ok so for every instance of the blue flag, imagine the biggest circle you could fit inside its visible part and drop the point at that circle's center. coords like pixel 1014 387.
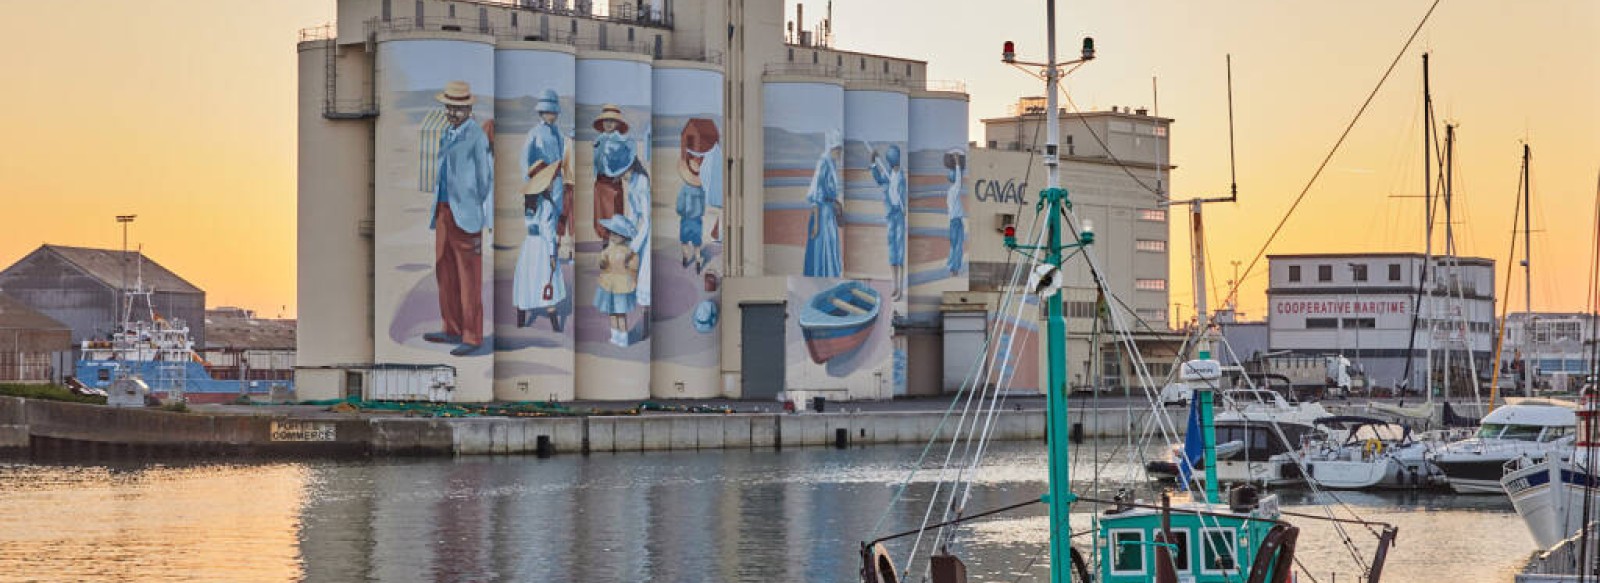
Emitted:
pixel 1194 445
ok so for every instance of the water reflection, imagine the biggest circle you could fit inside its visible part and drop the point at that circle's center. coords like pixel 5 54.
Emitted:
pixel 797 515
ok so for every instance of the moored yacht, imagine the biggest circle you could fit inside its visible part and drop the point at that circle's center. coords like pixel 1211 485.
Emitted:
pixel 1532 429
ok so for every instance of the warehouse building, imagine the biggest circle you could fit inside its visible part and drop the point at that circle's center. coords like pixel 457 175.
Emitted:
pixel 33 347
pixel 1365 306
pixel 82 288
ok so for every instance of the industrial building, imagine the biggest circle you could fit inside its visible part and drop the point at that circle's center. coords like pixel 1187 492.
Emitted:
pixel 1365 306
pixel 682 199
pixel 1554 346
pixel 243 346
pixel 82 288
pixel 33 347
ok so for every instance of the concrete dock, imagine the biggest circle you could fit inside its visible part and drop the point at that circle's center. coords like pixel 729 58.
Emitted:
pixel 34 428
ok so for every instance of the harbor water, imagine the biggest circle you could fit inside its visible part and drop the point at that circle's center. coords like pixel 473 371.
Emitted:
pixel 733 515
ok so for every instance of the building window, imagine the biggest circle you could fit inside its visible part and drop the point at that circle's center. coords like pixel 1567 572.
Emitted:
pixel 863 64
pixel 1127 552
pixel 1219 551
pixel 1154 215
pixel 1150 284
pixel 994 144
pixel 886 66
pixel 1321 323
pixel 791 55
pixel 1071 149
pixel 1358 271
pixel 452 8
pixel 1394 272
pixel 908 69
pixel 815 57
pixel 838 61
pixel 1324 273
pixel 1153 245
pixel 630 39
pixel 513 20
pixel 1294 273
pixel 574 26
pixel 1368 323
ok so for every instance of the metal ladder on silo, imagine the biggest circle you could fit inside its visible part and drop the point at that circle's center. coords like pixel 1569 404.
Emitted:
pixel 330 104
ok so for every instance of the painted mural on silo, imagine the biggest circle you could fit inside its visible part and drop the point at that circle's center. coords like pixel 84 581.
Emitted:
pixel 840 336
pixel 688 165
pixel 876 186
pixel 802 178
pixel 534 288
pixel 433 248
pixel 939 199
pixel 615 223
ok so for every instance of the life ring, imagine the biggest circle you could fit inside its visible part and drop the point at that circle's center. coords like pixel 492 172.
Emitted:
pixel 1372 447
pixel 883 568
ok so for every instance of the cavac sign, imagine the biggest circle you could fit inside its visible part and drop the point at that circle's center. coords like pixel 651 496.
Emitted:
pixel 1009 192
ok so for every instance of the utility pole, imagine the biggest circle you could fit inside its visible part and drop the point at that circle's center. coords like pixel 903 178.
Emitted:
pixel 122 292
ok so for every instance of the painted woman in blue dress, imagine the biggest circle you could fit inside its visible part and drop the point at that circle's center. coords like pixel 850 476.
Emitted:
pixel 889 174
pixel 955 162
pixel 537 285
pixel 824 254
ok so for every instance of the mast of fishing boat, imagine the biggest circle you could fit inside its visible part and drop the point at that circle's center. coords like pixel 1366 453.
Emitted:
pixel 1053 201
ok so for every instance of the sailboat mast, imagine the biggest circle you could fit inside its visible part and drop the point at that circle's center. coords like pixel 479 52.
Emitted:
pixel 1427 229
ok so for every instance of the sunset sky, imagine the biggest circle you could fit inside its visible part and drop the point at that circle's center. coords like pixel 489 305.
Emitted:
pixel 183 112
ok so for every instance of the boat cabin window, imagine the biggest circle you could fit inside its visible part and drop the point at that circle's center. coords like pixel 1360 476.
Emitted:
pixel 1127 551
pixel 104 374
pixel 1507 431
pixel 1220 551
pixel 1180 555
pixel 1554 433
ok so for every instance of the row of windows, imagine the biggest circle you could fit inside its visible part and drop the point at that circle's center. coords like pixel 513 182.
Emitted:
pixel 1150 284
pixel 1128 556
pixel 838 61
pixel 1346 323
pixel 1155 245
pixel 1358 272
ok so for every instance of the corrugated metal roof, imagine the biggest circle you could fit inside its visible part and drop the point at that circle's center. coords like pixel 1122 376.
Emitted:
pixel 107 266
pixel 14 315
pixel 249 333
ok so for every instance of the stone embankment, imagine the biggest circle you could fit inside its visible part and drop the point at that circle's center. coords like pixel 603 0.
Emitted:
pixel 44 429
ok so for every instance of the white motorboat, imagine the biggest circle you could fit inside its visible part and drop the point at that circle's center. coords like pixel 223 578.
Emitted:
pixel 1366 453
pixel 1531 429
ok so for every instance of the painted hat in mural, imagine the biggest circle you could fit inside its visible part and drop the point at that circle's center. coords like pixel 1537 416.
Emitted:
pixel 699 137
pixel 955 158
pixel 540 176
pixel 611 112
pixel 456 93
pixel 619 225
pixel 892 155
pixel 835 141
pixel 705 316
pixel 549 102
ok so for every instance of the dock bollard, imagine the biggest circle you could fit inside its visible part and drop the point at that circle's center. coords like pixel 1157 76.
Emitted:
pixel 841 438
pixel 542 446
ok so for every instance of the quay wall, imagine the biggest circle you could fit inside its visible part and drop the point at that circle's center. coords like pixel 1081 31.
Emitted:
pixel 45 428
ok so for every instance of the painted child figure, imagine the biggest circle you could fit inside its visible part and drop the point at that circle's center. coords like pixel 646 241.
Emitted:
pixel 619 277
pixel 537 286
pixel 699 139
pixel 888 173
pixel 955 163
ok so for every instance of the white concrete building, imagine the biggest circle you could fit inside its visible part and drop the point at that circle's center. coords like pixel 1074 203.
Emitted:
pixel 1553 344
pixel 1365 306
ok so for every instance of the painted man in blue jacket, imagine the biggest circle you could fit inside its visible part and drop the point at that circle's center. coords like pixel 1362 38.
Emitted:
pixel 462 215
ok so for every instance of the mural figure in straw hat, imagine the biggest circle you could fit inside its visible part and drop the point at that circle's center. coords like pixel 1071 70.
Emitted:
pixel 636 182
pixel 824 254
pixel 613 154
pixel 889 174
pixel 538 287
pixel 698 146
pixel 955 163
pixel 462 216
pixel 619 277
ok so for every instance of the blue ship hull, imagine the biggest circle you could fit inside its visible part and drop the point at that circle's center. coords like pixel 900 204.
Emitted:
pixel 158 375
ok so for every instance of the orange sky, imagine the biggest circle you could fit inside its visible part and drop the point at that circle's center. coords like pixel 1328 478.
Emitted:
pixel 183 112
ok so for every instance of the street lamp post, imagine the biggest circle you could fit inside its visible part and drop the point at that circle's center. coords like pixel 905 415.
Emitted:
pixel 122 292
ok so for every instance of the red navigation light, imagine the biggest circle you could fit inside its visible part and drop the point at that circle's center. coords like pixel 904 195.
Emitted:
pixel 1011 231
pixel 1009 52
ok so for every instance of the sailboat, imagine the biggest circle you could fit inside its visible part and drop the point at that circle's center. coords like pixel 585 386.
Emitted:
pixel 1190 536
